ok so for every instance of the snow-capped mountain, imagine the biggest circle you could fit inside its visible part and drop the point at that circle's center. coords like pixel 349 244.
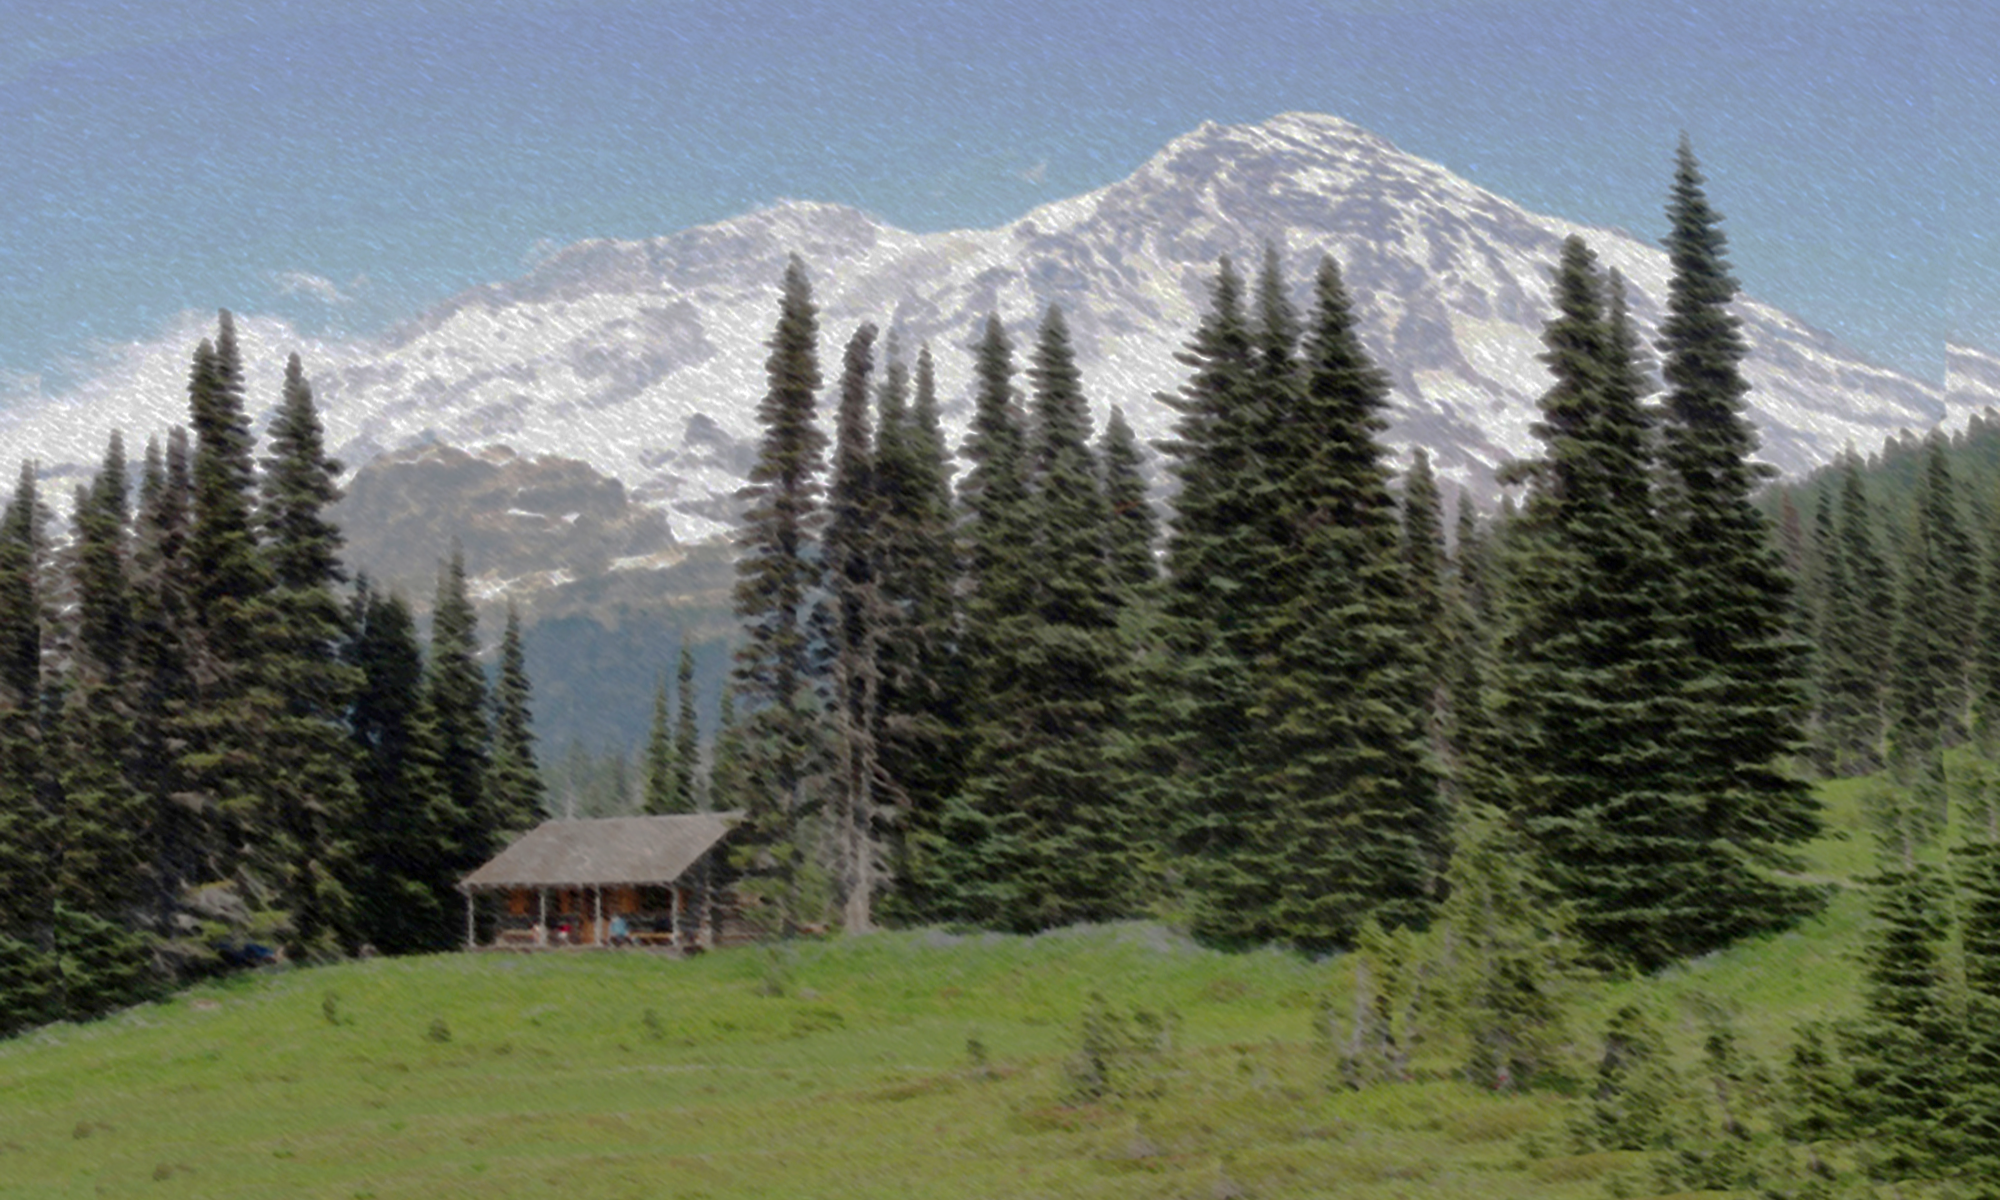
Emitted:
pixel 645 359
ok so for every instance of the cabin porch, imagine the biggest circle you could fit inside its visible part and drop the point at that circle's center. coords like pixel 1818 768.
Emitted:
pixel 539 918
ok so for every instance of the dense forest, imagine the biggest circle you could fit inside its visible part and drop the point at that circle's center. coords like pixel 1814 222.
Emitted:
pixel 218 749
pixel 991 688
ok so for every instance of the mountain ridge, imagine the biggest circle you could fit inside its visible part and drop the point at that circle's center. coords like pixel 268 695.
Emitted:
pixel 644 358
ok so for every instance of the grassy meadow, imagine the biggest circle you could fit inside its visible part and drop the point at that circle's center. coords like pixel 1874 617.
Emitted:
pixel 915 1063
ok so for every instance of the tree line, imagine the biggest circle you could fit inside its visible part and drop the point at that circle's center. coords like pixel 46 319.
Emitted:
pixel 213 744
pixel 1018 702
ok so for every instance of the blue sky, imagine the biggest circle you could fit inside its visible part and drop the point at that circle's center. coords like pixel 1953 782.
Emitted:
pixel 347 163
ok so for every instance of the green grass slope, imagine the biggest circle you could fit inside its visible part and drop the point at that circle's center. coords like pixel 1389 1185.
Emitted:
pixel 902 1064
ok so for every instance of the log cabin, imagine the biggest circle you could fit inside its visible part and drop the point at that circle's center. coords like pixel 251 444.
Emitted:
pixel 564 882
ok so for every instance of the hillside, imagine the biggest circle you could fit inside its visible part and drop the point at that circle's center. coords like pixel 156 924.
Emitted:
pixel 916 1063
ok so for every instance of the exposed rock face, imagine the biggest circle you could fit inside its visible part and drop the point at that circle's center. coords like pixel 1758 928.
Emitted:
pixel 526 524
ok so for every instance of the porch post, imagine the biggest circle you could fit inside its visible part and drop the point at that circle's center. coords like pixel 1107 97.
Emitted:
pixel 471 930
pixel 541 916
pixel 675 924
pixel 600 914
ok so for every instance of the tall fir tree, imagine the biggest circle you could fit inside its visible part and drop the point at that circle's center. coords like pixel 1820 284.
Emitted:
pixel 1746 686
pixel 663 764
pixel 1975 1119
pixel 1986 654
pixel 1905 1049
pixel 29 970
pixel 1826 589
pixel 862 624
pixel 103 570
pixel 1591 690
pixel 408 828
pixel 1424 567
pixel 1469 620
pixel 1935 636
pixel 776 572
pixel 103 829
pixel 687 735
pixel 221 726
pixel 1134 529
pixel 956 853
pixel 1192 762
pixel 921 685
pixel 1857 639
pixel 163 687
pixel 303 833
pixel 1348 826
pixel 728 786
pixel 455 692
pixel 514 783
pixel 1043 826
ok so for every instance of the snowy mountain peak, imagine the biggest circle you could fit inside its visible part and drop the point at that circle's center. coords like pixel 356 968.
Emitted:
pixel 644 359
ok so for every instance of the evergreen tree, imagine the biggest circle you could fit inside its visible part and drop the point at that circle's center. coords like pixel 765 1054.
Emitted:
pixel 455 692
pixel 1975 1119
pixel 1468 617
pixel 1049 838
pixel 227 574
pixel 1906 1050
pixel 222 726
pixel 407 830
pixel 1827 591
pixel 103 556
pixel 663 765
pixel 1134 530
pixel 1193 763
pixel 998 583
pixel 301 836
pixel 993 495
pixel 1424 568
pixel 687 743
pixel 163 687
pixel 29 979
pixel 1816 1094
pixel 776 572
pixel 102 823
pixel 1745 692
pixel 921 689
pixel 1857 635
pixel 728 773
pixel 1933 642
pixel 1508 957
pixel 1638 1101
pixel 1590 692
pixel 1986 654
pixel 515 784
pixel 862 624
pixel 1343 821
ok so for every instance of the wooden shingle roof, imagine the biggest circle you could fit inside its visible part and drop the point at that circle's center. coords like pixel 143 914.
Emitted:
pixel 604 851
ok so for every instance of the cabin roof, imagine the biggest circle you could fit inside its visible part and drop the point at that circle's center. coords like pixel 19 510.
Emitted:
pixel 604 851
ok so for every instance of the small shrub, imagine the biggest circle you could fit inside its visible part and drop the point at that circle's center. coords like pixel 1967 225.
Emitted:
pixel 329 1007
pixel 819 1018
pixel 654 1027
pixel 1119 1056
pixel 772 981
pixel 975 1052
pixel 439 1032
